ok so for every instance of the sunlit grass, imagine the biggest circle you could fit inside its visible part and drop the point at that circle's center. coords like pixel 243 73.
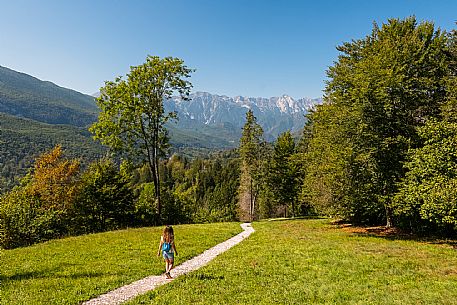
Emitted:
pixel 313 262
pixel 71 270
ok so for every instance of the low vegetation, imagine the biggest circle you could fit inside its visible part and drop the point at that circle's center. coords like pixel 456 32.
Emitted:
pixel 58 198
pixel 71 270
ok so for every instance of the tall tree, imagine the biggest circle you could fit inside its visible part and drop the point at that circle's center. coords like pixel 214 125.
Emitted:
pixel 388 83
pixel 132 115
pixel 251 144
pixel 54 180
pixel 427 198
pixel 283 175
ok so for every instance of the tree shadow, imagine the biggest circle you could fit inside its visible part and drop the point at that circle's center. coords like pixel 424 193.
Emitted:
pixel 203 277
pixel 396 234
pixel 47 273
pixel 294 218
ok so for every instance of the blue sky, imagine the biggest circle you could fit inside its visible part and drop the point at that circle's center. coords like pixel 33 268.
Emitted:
pixel 251 47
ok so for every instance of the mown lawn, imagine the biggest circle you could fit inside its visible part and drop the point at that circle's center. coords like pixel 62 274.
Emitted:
pixel 314 262
pixel 71 270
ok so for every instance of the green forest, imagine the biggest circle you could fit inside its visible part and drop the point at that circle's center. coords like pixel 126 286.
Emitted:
pixel 22 140
pixel 380 150
pixel 28 97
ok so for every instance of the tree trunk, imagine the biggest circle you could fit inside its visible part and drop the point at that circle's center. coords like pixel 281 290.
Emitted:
pixel 157 187
pixel 389 217
pixel 152 172
pixel 250 198
pixel 254 200
pixel 155 160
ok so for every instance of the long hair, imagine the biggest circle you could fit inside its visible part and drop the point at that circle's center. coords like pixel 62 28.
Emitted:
pixel 168 235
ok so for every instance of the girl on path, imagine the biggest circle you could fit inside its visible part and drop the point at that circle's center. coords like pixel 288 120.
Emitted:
pixel 168 249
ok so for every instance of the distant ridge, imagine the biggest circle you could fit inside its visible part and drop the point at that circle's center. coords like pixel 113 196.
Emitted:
pixel 206 120
pixel 274 114
pixel 35 115
pixel 26 96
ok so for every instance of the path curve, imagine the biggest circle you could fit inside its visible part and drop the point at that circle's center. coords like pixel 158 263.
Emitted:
pixel 125 293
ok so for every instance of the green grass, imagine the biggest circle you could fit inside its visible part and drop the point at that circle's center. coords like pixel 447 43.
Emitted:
pixel 71 270
pixel 314 262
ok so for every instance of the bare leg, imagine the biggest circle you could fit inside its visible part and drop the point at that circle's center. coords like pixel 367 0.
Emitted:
pixel 170 265
pixel 166 266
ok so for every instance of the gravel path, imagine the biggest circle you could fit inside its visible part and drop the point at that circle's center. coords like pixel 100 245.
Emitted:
pixel 134 289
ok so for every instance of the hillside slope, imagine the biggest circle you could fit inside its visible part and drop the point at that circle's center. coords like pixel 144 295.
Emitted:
pixel 22 140
pixel 26 96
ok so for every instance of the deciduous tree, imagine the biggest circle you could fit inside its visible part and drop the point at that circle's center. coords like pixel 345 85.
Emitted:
pixel 388 84
pixel 132 117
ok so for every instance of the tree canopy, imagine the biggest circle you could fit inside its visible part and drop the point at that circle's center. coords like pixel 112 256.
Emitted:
pixel 132 116
pixel 381 89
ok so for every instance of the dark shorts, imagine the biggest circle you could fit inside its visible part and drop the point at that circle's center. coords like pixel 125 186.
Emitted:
pixel 168 255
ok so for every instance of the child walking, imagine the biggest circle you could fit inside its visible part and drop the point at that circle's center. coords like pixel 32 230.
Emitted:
pixel 168 249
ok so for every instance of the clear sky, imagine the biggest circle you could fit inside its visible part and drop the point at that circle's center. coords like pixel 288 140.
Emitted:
pixel 238 47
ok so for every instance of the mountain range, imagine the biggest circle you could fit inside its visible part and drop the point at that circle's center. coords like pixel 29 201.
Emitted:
pixel 275 114
pixel 36 114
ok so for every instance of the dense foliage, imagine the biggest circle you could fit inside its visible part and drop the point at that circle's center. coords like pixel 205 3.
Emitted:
pixel 104 199
pixel 283 175
pixel 57 198
pixel 132 117
pixel 41 207
pixel 22 140
pixel 365 144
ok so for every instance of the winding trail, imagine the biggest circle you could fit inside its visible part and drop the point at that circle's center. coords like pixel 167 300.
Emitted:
pixel 125 293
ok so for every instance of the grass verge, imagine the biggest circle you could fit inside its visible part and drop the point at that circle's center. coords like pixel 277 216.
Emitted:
pixel 75 269
pixel 314 262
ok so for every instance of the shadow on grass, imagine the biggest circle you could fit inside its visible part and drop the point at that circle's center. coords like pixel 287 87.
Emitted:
pixel 395 234
pixel 203 277
pixel 293 218
pixel 49 273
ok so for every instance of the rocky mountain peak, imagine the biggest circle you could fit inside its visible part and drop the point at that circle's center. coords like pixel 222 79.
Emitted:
pixel 275 114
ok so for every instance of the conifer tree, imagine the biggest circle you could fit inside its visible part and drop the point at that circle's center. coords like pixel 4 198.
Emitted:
pixel 283 173
pixel 251 144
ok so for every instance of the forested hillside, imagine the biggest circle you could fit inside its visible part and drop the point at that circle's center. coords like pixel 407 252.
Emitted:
pixel 26 96
pixel 22 140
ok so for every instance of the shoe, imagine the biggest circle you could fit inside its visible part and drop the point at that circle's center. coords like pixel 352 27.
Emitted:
pixel 167 274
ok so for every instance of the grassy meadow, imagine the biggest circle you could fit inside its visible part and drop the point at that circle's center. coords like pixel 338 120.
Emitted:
pixel 283 262
pixel 70 270
pixel 314 262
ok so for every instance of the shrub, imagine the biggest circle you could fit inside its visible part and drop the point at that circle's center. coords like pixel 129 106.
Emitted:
pixel 105 200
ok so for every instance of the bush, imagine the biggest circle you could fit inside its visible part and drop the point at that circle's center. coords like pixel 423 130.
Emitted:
pixel 23 222
pixel 146 206
pixel 105 200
